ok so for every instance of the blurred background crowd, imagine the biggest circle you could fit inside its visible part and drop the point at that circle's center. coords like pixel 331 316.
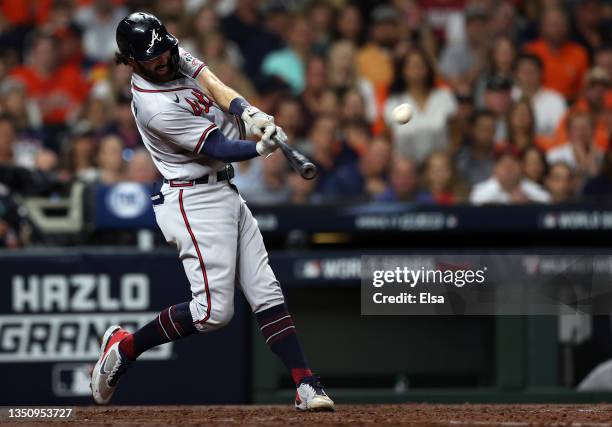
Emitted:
pixel 512 98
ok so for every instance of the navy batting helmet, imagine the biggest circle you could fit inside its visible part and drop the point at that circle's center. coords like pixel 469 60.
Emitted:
pixel 142 36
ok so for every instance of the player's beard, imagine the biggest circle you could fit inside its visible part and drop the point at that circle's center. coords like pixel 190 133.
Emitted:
pixel 161 73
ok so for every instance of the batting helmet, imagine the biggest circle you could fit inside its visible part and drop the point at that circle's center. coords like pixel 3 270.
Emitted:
pixel 142 36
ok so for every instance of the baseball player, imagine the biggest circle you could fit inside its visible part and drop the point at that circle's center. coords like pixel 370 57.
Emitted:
pixel 193 126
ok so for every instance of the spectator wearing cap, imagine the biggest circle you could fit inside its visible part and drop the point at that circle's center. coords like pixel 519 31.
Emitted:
pixel 375 60
pixel 565 62
pixel 290 63
pixel 580 151
pixel 433 108
pixel 404 183
pixel 497 99
pixel 561 183
pixel 548 105
pixel 507 184
pixel 474 160
pixel 462 62
pixel 596 103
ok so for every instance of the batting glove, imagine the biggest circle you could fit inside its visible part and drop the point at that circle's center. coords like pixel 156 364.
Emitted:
pixel 188 64
pixel 265 147
pixel 258 123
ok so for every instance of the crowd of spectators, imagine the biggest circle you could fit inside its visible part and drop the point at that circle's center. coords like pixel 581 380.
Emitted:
pixel 512 98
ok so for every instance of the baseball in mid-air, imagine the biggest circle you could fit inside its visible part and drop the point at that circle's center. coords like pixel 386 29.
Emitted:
pixel 402 113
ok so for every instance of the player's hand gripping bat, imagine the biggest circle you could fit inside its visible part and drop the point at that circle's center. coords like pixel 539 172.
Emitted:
pixel 297 160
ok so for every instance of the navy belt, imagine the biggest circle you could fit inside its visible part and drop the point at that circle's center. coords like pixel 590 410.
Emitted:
pixel 223 175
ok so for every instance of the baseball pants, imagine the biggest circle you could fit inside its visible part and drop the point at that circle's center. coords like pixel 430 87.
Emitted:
pixel 221 248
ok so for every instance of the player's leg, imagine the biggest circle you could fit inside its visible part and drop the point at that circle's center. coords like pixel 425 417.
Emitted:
pixel 263 292
pixel 201 223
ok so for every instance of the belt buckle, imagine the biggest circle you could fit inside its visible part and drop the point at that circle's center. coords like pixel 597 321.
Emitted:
pixel 181 183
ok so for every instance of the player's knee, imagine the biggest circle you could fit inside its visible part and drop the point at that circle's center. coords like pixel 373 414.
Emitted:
pixel 215 319
pixel 222 316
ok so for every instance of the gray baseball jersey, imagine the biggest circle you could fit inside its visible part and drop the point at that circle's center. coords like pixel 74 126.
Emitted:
pixel 211 226
pixel 174 120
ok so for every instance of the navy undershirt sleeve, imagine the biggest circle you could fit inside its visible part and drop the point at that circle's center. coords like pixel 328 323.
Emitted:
pixel 228 150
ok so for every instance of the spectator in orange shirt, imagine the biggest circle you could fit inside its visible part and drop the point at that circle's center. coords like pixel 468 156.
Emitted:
pixel 595 103
pixel 565 62
pixel 375 59
pixel 57 89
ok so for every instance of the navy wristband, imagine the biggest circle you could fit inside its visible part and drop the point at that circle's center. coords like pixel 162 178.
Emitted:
pixel 237 106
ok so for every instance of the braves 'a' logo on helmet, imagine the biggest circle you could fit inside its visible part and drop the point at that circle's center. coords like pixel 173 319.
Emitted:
pixel 154 38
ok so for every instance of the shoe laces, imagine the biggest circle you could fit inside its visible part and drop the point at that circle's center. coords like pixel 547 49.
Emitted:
pixel 315 383
pixel 118 370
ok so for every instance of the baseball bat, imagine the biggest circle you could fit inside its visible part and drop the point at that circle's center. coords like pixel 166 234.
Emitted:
pixel 297 160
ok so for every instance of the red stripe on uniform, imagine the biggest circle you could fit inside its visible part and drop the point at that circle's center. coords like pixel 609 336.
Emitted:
pixel 197 248
pixel 198 71
pixel 174 89
pixel 203 137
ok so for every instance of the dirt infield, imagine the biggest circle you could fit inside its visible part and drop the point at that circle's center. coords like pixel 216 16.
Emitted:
pixel 371 415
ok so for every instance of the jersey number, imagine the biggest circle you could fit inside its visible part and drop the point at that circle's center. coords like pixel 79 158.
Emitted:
pixel 201 104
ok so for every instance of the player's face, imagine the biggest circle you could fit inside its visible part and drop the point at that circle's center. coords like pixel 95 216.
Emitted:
pixel 160 69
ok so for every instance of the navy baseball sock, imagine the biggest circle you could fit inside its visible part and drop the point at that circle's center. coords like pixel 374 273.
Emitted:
pixel 277 327
pixel 171 324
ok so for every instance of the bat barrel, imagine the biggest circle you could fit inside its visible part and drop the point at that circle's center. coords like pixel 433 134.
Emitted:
pixel 297 160
pixel 308 170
